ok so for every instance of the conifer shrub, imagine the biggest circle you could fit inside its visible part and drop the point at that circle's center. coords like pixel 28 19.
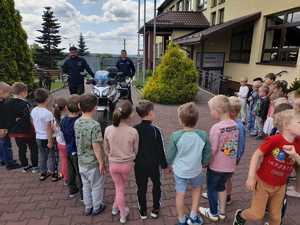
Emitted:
pixel 175 79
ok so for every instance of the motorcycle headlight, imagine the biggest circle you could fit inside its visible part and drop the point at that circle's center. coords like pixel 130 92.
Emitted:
pixel 105 92
pixel 96 92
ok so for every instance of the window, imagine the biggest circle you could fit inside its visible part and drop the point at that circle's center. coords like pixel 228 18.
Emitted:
pixel 241 41
pixel 282 38
pixel 172 8
pixel 213 18
pixel 202 4
pixel 221 1
pixel 188 5
pixel 221 15
pixel 180 6
pixel 213 3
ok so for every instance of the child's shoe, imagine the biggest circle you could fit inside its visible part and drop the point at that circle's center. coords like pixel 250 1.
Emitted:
pixel 114 211
pixel 26 168
pixel 44 176
pixel 238 220
pixel 204 195
pixel 34 170
pixel 54 177
pixel 197 220
pixel 222 217
pixel 154 214
pixel 143 214
pixel 99 210
pixel 259 137
pixel 206 213
pixel 88 211
pixel 185 222
pixel 123 219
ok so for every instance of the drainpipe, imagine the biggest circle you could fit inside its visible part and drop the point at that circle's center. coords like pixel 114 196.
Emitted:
pixel 154 38
pixel 144 66
pixel 139 37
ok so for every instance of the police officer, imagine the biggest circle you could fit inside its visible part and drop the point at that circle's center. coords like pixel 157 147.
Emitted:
pixel 126 66
pixel 75 66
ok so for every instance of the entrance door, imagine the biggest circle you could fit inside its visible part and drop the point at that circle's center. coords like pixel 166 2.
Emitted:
pixel 211 80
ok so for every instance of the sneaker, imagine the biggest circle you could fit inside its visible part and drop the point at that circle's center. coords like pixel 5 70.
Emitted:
pixel 222 217
pixel 99 210
pixel 259 137
pixel 195 221
pixel 228 202
pixel 73 194
pixel 88 211
pixel 253 134
pixel 114 211
pixel 26 168
pixel 54 177
pixel 154 214
pixel 34 170
pixel 123 219
pixel 206 213
pixel 204 195
pixel 143 214
pixel 44 176
pixel 293 193
pixel 13 166
pixel 238 220
pixel 184 223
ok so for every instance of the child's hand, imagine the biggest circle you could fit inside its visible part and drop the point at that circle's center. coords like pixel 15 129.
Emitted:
pixel 251 183
pixel 167 171
pixel 50 145
pixel 3 133
pixel 290 150
pixel 102 168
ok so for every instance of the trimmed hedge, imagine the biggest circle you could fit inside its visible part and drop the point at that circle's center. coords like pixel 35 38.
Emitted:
pixel 175 79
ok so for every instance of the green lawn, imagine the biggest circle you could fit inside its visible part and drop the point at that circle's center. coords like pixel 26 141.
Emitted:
pixel 56 85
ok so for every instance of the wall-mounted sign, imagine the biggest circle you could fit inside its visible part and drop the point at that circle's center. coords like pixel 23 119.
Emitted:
pixel 210 60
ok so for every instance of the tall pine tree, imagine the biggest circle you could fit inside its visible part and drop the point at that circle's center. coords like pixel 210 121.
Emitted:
pixel 82 48
pixel 50 40
pixel 15 57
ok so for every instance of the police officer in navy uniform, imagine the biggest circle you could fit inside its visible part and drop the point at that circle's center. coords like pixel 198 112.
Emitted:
pixel 126 66
pixel 75 66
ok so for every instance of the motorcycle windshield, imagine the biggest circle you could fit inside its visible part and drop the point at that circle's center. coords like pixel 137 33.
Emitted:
pixel 102 83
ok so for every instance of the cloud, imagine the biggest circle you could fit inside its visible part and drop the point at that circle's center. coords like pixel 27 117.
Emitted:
pixel 88 1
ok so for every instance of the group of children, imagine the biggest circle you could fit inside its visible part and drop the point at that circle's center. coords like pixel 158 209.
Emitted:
pixel 194 156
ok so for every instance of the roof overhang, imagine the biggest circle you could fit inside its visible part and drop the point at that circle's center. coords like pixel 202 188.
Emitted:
pixel 184 20
pixel 213 30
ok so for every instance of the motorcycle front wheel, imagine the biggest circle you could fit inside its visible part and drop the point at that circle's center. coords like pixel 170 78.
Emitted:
pixel 104 118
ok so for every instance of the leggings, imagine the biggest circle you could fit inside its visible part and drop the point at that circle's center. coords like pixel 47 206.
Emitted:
pixel 63 156
pixel 120 173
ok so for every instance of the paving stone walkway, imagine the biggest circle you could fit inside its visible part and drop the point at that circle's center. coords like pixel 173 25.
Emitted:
pixel 24 200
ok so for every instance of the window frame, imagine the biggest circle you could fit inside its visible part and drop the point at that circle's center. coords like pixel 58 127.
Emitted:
pixel 221 2
pixel 214 3
pixel 281 51
pixel 213 18
pixel 202 4
pixel 221 14
pixel 241 50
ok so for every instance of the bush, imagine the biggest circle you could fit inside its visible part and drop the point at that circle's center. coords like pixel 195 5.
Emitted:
pixel 175 79
pixel 295 85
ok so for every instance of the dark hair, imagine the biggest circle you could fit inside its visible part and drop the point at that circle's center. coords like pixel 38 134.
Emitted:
pixel 282 107
pixel 73 48
pixel 73 104
pixel 188 114
pixel 122 112
pixel 19 87
pixel 124 51
pixel 87 102
pixel 271 76
pixel 59 106
pixel 258 79
pixel 41 95
pixel 144 107
pixel 266 89
pixel 282 84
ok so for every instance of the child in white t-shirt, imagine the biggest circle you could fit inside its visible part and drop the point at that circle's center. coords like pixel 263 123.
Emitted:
pixel 42 119
pixel 243 95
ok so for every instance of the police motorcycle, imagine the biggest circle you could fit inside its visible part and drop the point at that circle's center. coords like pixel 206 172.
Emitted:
pixel 104 87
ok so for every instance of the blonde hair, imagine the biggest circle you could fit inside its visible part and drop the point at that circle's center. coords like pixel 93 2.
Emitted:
pixel 282 119
pixel 244 79
pixel 235 105
pixel 220 103
pixel 4 87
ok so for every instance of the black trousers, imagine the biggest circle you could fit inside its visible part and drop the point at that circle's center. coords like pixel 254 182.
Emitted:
pixel 76 89
pixel 23 144
pixel 142 175
pixel 74 183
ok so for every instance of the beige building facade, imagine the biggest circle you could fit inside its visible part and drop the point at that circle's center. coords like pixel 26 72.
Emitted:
pixel 250 37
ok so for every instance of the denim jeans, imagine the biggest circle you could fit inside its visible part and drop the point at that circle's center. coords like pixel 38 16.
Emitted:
pixel 48 158
pixel 251 121
pixel 216 182
pixel 5 150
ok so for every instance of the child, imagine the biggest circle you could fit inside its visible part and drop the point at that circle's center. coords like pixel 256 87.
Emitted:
pixel 6 155
pixel 270 168
pixel 224 139
pixel 189 151
pixel 67 128
pixel 242 94
pixel 235 108
pixel 252 103
pixel 261 111
pixel 270 79
pixel 149 159
pixel 42 119
pixel 59 111
pixel 90 156
pixel 121 145
pixel 23 130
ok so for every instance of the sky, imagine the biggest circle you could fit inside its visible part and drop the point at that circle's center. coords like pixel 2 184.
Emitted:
pixel 103 23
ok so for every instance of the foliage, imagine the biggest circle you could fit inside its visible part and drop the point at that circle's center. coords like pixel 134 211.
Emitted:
pixel 175 79
pixel 35 48
pixel 15 56
pixel 82 48
pixel 295 85
pixel 50 40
